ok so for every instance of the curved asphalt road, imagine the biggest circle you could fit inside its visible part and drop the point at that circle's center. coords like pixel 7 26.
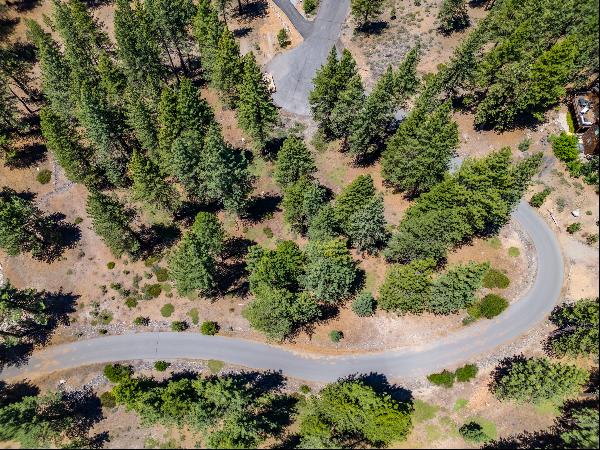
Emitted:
pixel 294 70
pixel 467 344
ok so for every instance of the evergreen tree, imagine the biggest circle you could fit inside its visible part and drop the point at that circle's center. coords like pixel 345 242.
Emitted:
pixel 112 222
pixel 324 225
pixel 583 429
pixel 193 112
pixel 577 332
pixel 227 68
pixel 405 77
pixel 255 110
pixel 352 198
pixel 323 97
pixel 55 71
pixel 347 108
pixel 294 161
pixel 372 124
pixel 21 313
pixel 185 164
pixel 406 287
pixel 301 202
pixel 278 313
pixel 282 268
pixel 455 290
pixel 112 80
pixel 23 227
pixel 366 226
pixel 453 16
pixel 143 123
pixel 62 140
pixel 169 125
pixel 225 173
pixel 193 264
pixel 207 30
pixel 538 380
pixel 419 154
pixel 330 270
pixel 138 48
pixel 364 11
pixel 149 185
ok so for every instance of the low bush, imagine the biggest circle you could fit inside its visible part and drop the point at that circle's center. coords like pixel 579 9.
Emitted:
pixel 466 373
pixel 283 38
pixel 141 321
pixel 161 366
pixel 110 265
pixel 131 302
pixel 444 378
pixel 513 252
pixel 194 315
pixel 492 305
pixel 336 335
pixel 310 6
pixel 524 145
pixel 268 232
pixel 107 400
pixel 565 147
pixel 473 432
pixel 179 326
pixel 574 228
pixel 115 373
pixel 167 310
pixel 537 200
pixel 305 389
pixel 152 290
pixel 495 279
pixel 209 328
pixel 44 176
pixel 162 274
pixel 364 304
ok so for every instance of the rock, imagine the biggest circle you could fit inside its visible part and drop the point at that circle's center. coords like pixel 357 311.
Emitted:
pixel 576 213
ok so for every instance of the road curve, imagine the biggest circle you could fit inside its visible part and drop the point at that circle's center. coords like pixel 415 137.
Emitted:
pixel 466 344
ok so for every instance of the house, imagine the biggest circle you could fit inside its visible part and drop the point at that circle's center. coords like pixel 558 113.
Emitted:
pixel 585 108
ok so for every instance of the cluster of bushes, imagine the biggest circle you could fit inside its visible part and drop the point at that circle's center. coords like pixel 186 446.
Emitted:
pixel 446 378
pixel 489 307
pixel 538 199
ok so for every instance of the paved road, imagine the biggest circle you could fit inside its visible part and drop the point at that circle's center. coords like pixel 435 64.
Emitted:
pixel 294 70
pixel 481 337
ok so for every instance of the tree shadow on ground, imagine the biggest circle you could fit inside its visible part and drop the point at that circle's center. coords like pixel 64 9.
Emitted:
pixel 261 206
pixel 61 235
pixel 381 385
pixel 232 277
pixel 28 155
pixel 157 238
pixel 242 32
pixel 272 147
pixel 84 407
pixel 376 27
pixel 251 10
pixel 58 307
pixel 15 392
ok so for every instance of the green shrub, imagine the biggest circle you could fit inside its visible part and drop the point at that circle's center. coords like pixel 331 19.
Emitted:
pixel 162 274
pixel 591 239
pixel 444 378
pixel 209 328
pixel 215 366
pixel 283 38
pixel 310 6
pixel 77 220
pixel 110 265
pixel 179 326
pixel 44 176
pixel 268 232
pixel 570 123
pixel 474 310
pixel 193 314
pixel 495 243
pixel 466 373
pixel 141 321
pixel 492 305
pixel 524 145
pixel 336 335
pixel 565 147
pixel 514 252
pixel 364 304
pixel 115 373
pixel 473 432
pixel 105 317
pixel 161 366
pixel 167 310
pixel 107 400
pixel 131 302
pixel 574 228
pixel 152 290
pixel 538 199
pixel 495 279
pixel 305 389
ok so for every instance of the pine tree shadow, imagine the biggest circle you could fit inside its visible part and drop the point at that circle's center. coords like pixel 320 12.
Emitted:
pixel 262 206
pixel 15 392
pixel 376 27
pixel 157 238
pixel 61 235
pixel 232 277
pixel 28 155
pixel 251 10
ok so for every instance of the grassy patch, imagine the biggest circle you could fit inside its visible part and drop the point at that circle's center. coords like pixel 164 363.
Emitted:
pixel 215 366
pixel 44 176
pixel 495 279
pixel 167 310
pixel 489 427
pixel 495 243
pixel 194 315
pixel 514 252
pixel 162 274
pixel 423 411
pixel 433 432
pixel 547 409
pixel 460 404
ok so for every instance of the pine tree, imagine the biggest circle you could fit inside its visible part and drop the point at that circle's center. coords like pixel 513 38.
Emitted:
pixel 169 126
pixel 207 30
pixel 193 265
pixel 352 198
pixel 419 154
pixel 137 48
pixel 294 161
pixel 23 227
pixel 112 80
pixel 406 287
pixel 324 96
pixel 405 77
pixel 364 11
pixel 56 74
pixel 372 124
pixel 112 222
pixel 255 110
pixel 62 140
pixel 301 202
pixel 366 227
pixel 227 68
pixel 143 123
pixel 453 16
pixel 185 164
pixel 193 112
pixel 330 270
pixel 324 225
pixel 21 313
pixel 347 108
pixel 149 185
pixel 225 172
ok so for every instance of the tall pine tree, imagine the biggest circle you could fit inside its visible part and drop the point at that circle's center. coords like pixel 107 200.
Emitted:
pixel 227 68
pixel 149 185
